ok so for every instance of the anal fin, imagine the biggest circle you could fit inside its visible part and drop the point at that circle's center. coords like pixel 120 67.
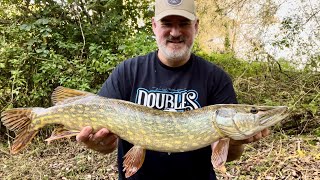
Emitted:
pixel 133 160
pixel 219 155
pixel 60 133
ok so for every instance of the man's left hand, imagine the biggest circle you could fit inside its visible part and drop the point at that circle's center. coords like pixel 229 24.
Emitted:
pixel 254 138
pixel 236 147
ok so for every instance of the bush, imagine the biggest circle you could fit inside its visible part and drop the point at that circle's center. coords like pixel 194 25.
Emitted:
pixel 44 45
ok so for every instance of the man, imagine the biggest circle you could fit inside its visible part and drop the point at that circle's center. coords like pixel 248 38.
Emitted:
pixel 171 78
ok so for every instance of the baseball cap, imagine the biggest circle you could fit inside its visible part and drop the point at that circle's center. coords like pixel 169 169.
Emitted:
pixel 185 8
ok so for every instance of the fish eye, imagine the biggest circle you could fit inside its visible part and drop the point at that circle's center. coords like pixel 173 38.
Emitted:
pixel 254 110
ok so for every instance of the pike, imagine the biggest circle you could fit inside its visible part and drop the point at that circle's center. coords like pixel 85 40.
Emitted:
pixel 146 128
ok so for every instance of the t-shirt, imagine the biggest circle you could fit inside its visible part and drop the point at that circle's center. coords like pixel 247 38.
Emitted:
pixel 147 81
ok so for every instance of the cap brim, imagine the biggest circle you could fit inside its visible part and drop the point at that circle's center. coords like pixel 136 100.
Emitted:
pixel 176 12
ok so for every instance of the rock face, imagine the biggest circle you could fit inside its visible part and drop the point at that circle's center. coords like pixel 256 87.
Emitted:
pixel 259 27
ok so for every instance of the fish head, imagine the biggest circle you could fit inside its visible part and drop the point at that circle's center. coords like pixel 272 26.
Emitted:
pixel 239 121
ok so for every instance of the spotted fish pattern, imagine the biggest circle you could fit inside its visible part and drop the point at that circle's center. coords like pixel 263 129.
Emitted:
pixel 142 126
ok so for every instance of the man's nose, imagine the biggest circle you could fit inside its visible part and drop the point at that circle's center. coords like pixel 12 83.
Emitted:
pixel 175 31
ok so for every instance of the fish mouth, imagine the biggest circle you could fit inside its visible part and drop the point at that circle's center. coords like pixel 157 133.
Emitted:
pixel 271 117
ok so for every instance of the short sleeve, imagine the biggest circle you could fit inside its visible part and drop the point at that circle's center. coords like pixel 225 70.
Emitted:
pixel 222 91
pixel 115 85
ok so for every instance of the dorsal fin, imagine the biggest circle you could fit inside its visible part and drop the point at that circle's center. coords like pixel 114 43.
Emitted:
pixel 63 95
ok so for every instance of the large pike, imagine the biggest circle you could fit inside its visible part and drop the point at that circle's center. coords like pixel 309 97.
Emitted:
pixel 144 127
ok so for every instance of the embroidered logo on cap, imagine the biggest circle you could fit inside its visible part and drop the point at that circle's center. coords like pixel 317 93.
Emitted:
pixel 174 2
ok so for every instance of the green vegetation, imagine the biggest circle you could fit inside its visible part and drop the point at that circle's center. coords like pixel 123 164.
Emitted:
pixel 76 44
pixel 276 83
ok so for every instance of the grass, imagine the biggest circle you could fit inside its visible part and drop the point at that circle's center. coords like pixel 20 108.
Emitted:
pixel 275 157
pixel 278 157
pixel 59 160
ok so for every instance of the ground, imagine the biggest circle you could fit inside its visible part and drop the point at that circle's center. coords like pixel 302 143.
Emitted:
pixel 276 157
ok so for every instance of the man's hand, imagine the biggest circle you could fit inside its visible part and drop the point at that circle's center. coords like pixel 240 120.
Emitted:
pixel 236 147
pixel 102 141
pixel 254 138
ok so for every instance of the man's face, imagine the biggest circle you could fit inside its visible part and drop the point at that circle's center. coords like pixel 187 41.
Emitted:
pixel 175 36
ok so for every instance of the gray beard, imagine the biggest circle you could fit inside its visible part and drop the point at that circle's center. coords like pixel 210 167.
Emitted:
pixel 174 55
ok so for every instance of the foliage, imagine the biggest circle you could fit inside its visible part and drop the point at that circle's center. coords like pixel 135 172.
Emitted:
pixel 74 44
pixel 78 43
pixel 276 83
pixel 44 44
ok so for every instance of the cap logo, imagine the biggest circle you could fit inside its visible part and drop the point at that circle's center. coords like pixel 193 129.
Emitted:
pixel 174 2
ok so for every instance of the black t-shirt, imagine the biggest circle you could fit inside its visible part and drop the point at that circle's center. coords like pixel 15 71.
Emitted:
pixel 147 81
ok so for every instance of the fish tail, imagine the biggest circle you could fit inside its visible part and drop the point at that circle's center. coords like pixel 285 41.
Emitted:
pixel 19 121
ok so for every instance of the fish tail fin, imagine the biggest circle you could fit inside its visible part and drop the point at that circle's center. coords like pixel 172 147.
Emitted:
pixel 19 120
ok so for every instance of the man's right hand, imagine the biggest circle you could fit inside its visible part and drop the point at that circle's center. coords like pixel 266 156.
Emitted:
pixel 102 141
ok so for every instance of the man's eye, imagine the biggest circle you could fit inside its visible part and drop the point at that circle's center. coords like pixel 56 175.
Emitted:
pixel 184 24
pixel 166 24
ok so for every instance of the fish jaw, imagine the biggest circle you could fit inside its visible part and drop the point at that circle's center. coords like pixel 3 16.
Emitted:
pixel 243 121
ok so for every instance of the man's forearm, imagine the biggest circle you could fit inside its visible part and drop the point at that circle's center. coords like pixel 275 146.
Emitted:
pixel 235 151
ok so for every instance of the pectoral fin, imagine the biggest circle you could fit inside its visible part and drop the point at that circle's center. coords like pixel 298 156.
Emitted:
pixel 133 160
pixel 219 154
pixel 60 133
